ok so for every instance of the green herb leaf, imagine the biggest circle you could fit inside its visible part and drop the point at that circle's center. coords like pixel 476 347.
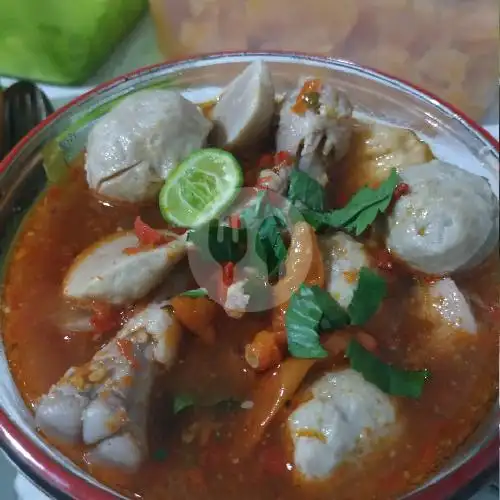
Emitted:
pixel 387 378
pixel 182 401
pixel 270 246
pixel 306 190
pixel 160 455
pixel 199 292
pixel 368 296
pixel 302 320
pixel 224 243
pixel 334 316
pixel 361 211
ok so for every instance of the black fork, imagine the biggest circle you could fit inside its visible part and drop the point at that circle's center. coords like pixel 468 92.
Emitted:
pixel 24 106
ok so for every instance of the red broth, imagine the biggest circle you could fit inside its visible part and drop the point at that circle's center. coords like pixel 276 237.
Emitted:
pixel 196 454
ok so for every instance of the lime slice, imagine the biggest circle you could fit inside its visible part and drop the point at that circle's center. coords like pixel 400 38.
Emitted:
pixel 200 188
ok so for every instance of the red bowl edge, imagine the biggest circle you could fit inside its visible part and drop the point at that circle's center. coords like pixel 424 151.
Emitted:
pixel 77 487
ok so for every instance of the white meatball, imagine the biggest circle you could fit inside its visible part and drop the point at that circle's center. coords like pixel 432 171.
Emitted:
pixel 347 414
pixel 448 221
pixel 245 110
pixel 343 257
pixel 132 149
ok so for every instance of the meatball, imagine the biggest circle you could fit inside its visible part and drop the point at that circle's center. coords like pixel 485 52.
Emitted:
pixel 132 149
pixel 448 221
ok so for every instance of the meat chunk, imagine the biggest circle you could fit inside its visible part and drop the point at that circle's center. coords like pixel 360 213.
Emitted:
pixel 107 272
pixel 104 403
pixel 445 307
pixel 132 149
pixel 346 415
pixel 343 257
pixel 375 149
pixel 448 221
pixel 245 110
pixel 316 133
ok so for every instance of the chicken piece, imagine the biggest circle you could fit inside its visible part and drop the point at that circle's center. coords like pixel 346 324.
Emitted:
pixel 237 299
pixel 105 402
pixel 343 257
pixel 447 222
pixel 245 110
pixel 443 305
pixel 347 416
pixel 375 150
pixel 107 272
pixel 275 180
pixel 322 131
pixel 132 149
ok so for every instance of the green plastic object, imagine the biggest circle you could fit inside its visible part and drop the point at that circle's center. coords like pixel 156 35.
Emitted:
pixel 62 41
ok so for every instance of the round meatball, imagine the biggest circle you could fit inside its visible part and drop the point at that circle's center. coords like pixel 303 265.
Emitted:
pixel 448 221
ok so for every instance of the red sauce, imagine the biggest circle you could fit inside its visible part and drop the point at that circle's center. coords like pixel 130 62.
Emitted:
pixel 194 454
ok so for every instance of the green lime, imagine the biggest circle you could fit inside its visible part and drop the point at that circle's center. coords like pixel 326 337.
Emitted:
pixel 200 187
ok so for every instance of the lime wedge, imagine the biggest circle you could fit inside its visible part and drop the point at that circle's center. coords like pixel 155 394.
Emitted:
pixel 200 188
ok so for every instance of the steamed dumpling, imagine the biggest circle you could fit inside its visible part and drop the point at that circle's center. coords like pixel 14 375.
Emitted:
pixel 245 110
pixel 448 221
pixel 346 415
pixel 132 149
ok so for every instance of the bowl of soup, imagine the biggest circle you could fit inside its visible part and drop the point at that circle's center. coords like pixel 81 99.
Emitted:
pixel 252 276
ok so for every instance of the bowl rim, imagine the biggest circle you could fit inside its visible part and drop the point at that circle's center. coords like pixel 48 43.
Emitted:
pixel 50 475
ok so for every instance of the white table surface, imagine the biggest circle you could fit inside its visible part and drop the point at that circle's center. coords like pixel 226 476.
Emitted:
pixel 138 50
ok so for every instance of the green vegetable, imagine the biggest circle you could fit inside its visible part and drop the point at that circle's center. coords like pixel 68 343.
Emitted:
pixel 302 321
pixel 182 401
pixel 266 222
pixel 223 243
pixel 160 455
pixel 306 190
pixel 369 294
pixel 199 292
pixel 387 378
pixel 312 100
pixel 361 211
pixel 312 310
pixel 270 246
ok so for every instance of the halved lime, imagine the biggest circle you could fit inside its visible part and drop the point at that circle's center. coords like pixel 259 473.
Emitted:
pixel 200 188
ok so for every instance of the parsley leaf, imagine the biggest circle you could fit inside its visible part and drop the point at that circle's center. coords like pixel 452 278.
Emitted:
pixel 361 211
pixel 182 401
pixel 306 190
pixel 370 292
pixel 387 378
pixel 199 292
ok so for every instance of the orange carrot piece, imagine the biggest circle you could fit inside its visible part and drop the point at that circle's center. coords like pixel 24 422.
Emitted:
pixel 272 392
pixel 263 352
pixel 197 314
